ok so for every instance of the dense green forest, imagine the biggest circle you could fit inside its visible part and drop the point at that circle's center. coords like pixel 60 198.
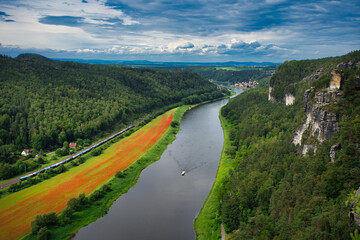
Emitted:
pixel 273 190
pixel 234 74
pixel 290 73
pixel 45 103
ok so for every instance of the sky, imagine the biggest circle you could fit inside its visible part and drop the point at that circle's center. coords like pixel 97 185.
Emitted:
pixel 180 31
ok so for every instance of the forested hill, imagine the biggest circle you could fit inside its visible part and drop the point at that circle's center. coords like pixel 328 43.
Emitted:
pixel 46 102
pixel 295 166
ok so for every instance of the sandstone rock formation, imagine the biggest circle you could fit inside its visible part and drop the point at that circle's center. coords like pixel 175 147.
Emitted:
pixel 314 76
pixel 289 99
pixel 336 80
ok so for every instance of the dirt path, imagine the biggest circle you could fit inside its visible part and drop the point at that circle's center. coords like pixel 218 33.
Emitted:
pixel 223 234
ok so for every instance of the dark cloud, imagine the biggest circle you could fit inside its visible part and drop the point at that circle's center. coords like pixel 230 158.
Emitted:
pixel 4 17
pixel 4 14
pixel 186 46
pixel 244 45
pixel 62 20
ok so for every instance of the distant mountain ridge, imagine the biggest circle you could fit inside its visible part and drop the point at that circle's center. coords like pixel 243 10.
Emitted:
pixel 169 64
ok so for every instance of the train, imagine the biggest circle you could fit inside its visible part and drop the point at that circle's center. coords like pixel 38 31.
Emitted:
pixel 76 155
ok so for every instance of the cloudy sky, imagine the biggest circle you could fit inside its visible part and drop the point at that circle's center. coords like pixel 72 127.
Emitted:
pixel 181 30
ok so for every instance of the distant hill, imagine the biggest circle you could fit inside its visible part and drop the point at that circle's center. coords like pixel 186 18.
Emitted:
pixel 45 102
pixel 34 57
pixel 159 64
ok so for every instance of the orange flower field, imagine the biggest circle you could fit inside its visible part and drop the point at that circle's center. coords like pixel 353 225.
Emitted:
pixel 19 209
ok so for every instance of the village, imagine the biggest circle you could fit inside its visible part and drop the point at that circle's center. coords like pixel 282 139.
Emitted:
pixel 250 84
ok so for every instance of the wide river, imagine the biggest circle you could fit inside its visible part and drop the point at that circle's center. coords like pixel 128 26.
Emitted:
pixel 163 204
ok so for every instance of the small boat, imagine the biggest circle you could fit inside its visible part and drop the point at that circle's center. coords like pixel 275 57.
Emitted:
pixel 183 173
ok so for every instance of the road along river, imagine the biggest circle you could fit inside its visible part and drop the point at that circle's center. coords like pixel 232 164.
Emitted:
pixel 163 204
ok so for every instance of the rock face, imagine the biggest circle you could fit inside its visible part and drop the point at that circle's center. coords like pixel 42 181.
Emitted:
pixel 289 99
pixel 333 152
pixel 271 98
pixel 321 123
pixel 314 76
pixel 336 80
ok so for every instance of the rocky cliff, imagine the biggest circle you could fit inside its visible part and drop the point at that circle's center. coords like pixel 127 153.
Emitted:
pixel 321 122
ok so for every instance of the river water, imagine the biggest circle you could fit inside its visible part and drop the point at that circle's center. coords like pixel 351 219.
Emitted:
pixel 163 204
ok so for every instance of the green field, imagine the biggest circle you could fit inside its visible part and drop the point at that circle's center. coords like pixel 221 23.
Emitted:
pixel 240 68
pixel 207 224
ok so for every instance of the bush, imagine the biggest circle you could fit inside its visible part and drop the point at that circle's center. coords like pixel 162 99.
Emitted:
pixel 40 160
pixel 74 204
pixel 82 199
pixel 96 195
pixel 120 174
pixel 96 152
pixel 50 219
pixel 66 215
pixel 175 124
pixel 42 221
pixel 61 169
pixel 105 188
pixel 43 234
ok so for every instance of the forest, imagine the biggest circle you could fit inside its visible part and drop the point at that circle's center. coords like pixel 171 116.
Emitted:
pixel 274 191
pixel 234 74
pixel 45 103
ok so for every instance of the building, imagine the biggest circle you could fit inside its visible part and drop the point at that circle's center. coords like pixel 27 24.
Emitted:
pixel 26 152
pixel 73 145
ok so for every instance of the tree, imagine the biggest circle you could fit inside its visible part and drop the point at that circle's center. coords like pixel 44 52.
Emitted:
pixel 43 234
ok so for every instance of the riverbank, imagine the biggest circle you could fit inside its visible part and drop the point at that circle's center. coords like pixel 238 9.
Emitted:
pixel 96 209
pixel 207 223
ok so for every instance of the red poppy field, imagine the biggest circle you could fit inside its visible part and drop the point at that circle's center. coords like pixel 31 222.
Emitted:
pixel 19 209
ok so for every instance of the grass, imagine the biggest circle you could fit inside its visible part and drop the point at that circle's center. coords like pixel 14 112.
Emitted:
pixel 19 209
pixel 207 224
pixel 119 186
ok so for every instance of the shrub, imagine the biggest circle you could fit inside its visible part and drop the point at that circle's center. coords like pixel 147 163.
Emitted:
pixel 40 160
pixel 175 124
pixel 66 215
pixel 120 174
pixel 105 188
pixel 74 204
pixel 43 234
pixel 96 195
pixel 96 152
pixel 42 221
pixel 82 199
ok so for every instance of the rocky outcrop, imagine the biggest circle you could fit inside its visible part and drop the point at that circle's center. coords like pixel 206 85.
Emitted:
pixel 307 147
pixel 314 76
pixel 289 99
pixel 348 64
pixel 336 80
pixel 321 123
pixel 333 152
pixel 271 98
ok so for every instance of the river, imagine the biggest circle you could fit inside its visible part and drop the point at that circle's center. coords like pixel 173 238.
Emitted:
pixel 163 204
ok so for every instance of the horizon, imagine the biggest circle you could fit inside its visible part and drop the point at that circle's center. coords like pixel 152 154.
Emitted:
pixel 186 31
